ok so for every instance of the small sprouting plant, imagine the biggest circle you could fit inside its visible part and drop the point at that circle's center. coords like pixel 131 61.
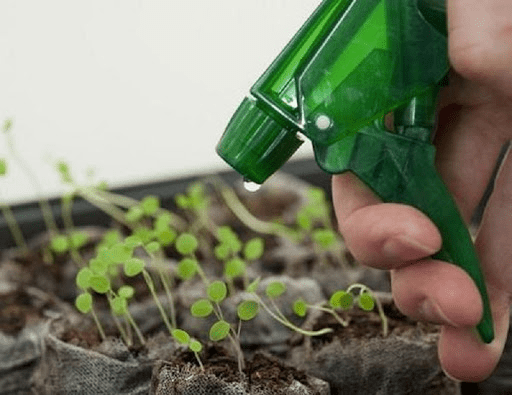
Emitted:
pixel 345 300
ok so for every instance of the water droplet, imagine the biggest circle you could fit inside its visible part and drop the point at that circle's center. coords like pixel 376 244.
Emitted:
pixel 251 186
pixel 323 122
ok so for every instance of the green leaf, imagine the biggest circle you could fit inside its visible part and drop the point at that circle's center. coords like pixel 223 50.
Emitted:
pixel 133 241
pixel 195 346
pixel 120 253
pixel 187 268
pixel 217 291
pixel 341 299
pixel 78 239
pixel 83 302
pixel 83 278
pixel 325 238
pixel 219 331
pixel 275 289
pixel 300 307
pixel 105 254
pixel 150 205
pixel 186 244
pixel 182 201
pixel 221 252
pixel 366 302
pixel 253 287
pixel 99 284
pixel 119 305
pixel 133 267
pixel 201 308
pixel 134 214
pixel 247 310
pixel 144 234
pixel 153 247
pixel 65 174
pixel 126 291
pixel 234 268
pixel 165 236
pixel 227 236
pixel 7 125
pixel 111 237
pixel 163 221
pixel 59 244
pixel 3 167
pixel 98 266
pixel 304 220
pixel 254 249
pixel 181 336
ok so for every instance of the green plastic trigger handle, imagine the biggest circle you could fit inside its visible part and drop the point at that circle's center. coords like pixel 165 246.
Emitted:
pixel 352 62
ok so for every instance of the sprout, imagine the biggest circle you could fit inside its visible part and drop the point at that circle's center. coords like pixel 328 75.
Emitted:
pixel 254 249
pixel 133 241
pixel 126 291
pixel 186 243
pixel 59 244
pixel 222 252
pixel 99 284
pixel 153 247
pixel 98 266
pixel 217 291
pixel 120 253
pixel 187 268
pixel 253 287
pixel 300 307
pixel 83 278
pixel 111 237
pixel 134 214
pixel 165 236
pixel 78 239
pixel 133 267
pixel 325 238
pixel 219 331
pixel 162 221
pixel 234 268
pixel 83 302
pixel 201 308
pixel 150 205
pixel 275 289
pixel 247 310
pixel 366 302
pixel 341 299
pixel 119 305
pixel 195 346
pixel 181 336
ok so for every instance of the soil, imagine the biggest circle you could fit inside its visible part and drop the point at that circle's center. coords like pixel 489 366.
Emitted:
pixel 18 309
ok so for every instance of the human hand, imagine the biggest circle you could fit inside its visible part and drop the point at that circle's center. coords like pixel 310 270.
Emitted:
pixel 475 120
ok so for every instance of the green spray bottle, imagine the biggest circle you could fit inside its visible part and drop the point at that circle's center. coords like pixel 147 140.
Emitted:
pixel 350 64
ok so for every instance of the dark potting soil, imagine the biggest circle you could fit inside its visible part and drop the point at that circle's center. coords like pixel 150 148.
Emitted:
pixel 18 309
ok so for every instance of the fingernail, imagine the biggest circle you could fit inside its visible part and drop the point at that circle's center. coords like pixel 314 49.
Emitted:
pixel 401 246
pixel 430 311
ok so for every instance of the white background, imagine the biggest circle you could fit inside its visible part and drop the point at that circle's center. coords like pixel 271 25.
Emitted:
pixel 139 91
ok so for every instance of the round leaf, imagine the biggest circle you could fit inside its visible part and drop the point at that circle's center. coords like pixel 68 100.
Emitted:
pixel 253 287
pixel 133 267
pixel 325 238
pixel 247 310
pixel 217 291
pixel 98 266
pixel 234 268
pixel 341 299
pixel 79 239
pixel 120 253
pixel 162 221
pixel 254 249
pixel 195 346
pixel 59 244
pixel 219 331
pixel 366 302
pixel 134 214
pixel 119 305
pixel 132 242
pixel 165 236
pixel 83 303
pixel 126 291
pixel 187 268
pixel 201 308
pixel 83 278
pixel 153 247
pixel 186 244
pixel 99 284
pixel 300 307
pixel 150 205
pixel 221 252
pixel 111 237
pixel 181 336
pixel 275 289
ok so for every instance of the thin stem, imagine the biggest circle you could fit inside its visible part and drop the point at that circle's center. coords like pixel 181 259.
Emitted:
pixel 67 219
pixel 380 309
pixel 121 330
pixel 151 287
pixel 239 353
pixel 105 206
pixel 332 312
pixel 98 324
pixel 10 219
pixel 288 324
pixel 199 361
pixel 138 332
